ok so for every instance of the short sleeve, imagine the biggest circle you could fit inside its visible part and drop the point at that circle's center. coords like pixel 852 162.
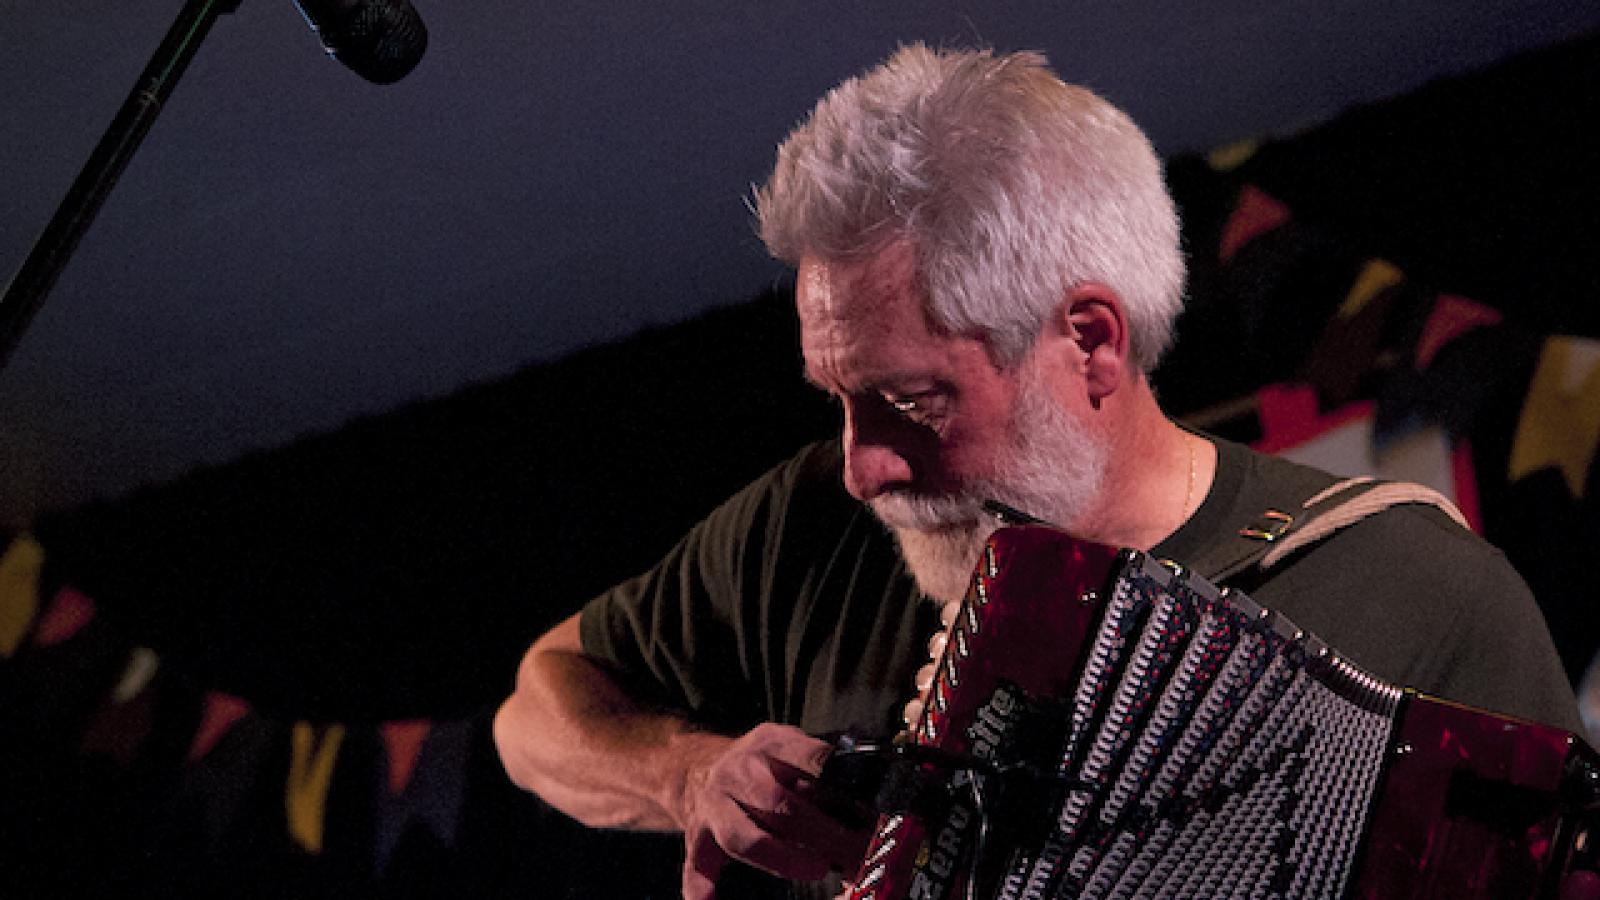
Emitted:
pixel 687 634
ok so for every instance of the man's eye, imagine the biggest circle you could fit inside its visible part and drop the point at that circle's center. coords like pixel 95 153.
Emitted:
pixel 919 408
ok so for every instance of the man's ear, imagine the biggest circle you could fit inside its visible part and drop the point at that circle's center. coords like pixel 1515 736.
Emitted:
pixel 1094 321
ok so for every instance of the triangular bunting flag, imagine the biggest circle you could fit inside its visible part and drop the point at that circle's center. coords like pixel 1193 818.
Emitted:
pixel 1464 475
pixel 1255 213
pixel 402 741
pixel 1560 421
pixel 1289 416
pixel 66 615
pixel 1342 442
pixel 20 565
pixel 313 752
pixel 1352 344
pixel 142 665
pixel 222 782
pixel 1450 318
pixel 1376 276
pixel 433 797
pixel 218 714
pixel 120 727
pixel 1231 156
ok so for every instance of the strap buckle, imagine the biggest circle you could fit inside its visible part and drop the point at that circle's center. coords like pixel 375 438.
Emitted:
pixel 1268 527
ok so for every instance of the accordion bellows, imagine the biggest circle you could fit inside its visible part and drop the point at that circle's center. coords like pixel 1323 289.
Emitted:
pixel 1130 731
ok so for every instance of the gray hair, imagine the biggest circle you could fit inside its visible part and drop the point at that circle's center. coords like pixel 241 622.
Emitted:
pixel 1010 185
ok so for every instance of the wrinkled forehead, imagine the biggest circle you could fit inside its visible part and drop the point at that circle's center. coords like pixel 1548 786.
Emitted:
pixel 878 289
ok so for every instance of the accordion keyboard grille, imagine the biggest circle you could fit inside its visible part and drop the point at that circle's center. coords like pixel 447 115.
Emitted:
pixel 1213 751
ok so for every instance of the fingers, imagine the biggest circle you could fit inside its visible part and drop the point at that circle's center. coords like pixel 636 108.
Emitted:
pixel 703 862
pixel 770 840
pixel 758 804
pixel 759 811
pixel 790 746
pixel 815 832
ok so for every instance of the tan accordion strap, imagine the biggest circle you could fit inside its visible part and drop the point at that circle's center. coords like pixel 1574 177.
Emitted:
pixel 1377 497
pixel 1335 489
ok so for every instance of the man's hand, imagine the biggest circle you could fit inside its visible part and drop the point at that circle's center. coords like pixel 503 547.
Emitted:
pixel 756 802
pixel 571 734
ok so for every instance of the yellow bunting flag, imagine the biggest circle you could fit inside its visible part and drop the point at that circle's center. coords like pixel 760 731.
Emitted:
pixel 313 750
pixel 1560 422
pixel 1232 156
pixel 19 591
pixel 1376 277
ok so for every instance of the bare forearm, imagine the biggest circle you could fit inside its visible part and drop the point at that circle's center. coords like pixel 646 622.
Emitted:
pixel 569 734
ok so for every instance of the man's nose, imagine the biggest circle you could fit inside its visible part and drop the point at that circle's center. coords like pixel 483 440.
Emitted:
pixel 873 464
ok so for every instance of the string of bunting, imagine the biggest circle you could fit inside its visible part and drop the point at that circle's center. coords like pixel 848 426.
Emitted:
pixel 114 706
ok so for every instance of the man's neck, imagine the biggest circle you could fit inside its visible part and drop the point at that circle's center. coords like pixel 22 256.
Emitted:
pixel 1157 475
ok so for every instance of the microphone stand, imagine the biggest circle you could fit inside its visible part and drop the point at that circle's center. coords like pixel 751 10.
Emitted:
pixel 26 293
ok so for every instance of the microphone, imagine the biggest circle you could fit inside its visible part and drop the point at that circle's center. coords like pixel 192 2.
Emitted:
pixel 380 40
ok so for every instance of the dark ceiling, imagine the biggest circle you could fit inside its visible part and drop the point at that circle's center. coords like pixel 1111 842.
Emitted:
pixel 294 247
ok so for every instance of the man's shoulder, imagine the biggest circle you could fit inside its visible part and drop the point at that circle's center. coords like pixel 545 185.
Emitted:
pixel 1274 480
pixel 798 501
pixel 1355 539
pixel 1421 543
pixel 1410 595
pixel 817 464
pixel 814 468
pixel 1411 565
pixel 1405 526
pixel 811 478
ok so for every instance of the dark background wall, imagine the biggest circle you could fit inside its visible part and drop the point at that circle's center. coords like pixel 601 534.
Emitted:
pixel 293 247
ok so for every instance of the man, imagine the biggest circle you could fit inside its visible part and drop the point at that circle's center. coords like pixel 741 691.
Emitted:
pixel 988 268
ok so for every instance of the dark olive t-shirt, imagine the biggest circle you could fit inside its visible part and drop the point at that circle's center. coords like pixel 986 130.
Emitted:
pixel 789 603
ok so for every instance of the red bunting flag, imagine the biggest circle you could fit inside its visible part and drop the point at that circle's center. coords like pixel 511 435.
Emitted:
pixel 1450 318
pixel 1255 213
pixel 69 611
pixel 402 742
pixel 218 715
pixel 1341 442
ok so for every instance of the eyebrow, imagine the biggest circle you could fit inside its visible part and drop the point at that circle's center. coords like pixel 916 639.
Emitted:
pixel 890 383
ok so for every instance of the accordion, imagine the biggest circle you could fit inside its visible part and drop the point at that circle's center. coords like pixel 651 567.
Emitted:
pixel 1104 724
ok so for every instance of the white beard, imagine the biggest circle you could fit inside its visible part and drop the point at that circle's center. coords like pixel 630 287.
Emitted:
pixel 1051 467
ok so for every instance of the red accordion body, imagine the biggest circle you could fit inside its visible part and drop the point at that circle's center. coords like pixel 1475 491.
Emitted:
pixel 1130 731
